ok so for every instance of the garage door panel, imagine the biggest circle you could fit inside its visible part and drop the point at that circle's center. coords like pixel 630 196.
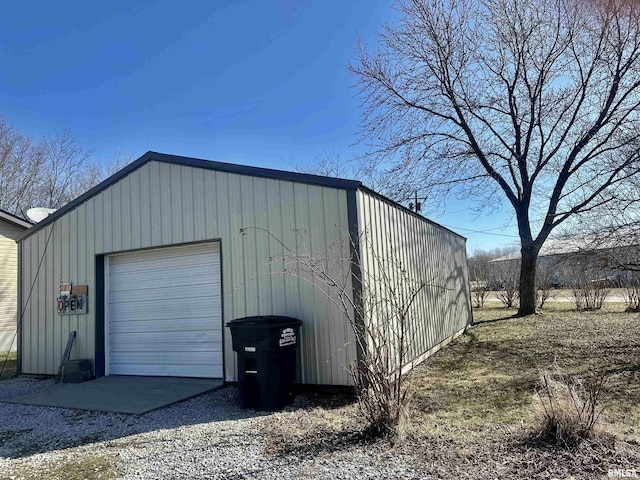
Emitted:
pixel 147 339
pixel 165 312
pixel 165 358
pixel 180 293
pixel 174 347
pixel 176 324
pixel 129 282
pixel 160 261
pixel 203 371
pixel 164 271
pixel 164 252
pixel 165 309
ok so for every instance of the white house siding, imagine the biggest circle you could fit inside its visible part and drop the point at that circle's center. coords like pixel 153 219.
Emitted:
pixel 9 233
pixel 162 204
pixel 430 254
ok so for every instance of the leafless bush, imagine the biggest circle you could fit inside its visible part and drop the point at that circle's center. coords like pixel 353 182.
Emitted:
pixel 545 276
pixel 543 294
pixel 479 293
pixel 586 278
pixel 380 319
pixel 505 279
pixel 589 295
pixel 569 409
pixel 631 291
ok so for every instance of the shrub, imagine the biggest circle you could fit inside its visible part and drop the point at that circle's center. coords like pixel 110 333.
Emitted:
pixel 543 294
pixel 509 295
pixel 545 276
pixel 589 295
pixel 631 292
pixel 569 409
pixel 479 294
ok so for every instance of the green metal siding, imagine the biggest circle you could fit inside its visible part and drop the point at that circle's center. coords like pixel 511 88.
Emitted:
pixel 430 254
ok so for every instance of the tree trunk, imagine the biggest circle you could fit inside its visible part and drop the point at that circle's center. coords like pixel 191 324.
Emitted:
pixel 528 280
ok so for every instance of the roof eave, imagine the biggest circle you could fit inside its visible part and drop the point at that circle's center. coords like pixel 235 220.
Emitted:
pixel 14 220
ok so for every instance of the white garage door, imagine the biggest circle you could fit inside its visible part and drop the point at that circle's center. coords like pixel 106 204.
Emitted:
pixel 164 312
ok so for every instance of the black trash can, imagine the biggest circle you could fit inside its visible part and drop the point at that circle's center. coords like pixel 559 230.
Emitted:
pixel 266 348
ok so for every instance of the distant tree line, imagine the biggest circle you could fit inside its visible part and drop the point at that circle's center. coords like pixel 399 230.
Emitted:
pixel 47 171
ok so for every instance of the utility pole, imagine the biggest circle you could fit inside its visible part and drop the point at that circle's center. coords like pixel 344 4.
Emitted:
pixel 417 206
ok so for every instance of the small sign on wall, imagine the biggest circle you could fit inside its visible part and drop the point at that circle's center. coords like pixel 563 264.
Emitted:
pixel 72 299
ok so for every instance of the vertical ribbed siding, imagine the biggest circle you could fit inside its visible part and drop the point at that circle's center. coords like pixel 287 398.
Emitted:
pixel 430 254
pixel 163 204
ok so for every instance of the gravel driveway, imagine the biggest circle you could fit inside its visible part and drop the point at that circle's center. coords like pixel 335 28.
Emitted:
pixel 205 437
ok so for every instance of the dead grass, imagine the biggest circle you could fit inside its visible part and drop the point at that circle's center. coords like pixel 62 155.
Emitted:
pixel 568 409
pixel 476 398
pixel 85 468
pixel 10 367
pixel 485 381
pixel 325 422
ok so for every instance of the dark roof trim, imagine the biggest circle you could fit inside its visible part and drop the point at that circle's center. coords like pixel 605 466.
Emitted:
pixel 198 163
pixel 406 210
pixel 17 221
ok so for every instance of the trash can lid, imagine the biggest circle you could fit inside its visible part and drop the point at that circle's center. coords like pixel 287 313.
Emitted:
pixel 265 321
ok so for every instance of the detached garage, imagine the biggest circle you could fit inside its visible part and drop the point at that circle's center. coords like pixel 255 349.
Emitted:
pixel 149 266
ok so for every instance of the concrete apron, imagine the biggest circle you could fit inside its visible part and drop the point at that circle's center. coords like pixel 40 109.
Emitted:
pixel 122 394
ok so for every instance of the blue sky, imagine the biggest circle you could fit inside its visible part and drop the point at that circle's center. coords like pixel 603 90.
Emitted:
pixel 256 82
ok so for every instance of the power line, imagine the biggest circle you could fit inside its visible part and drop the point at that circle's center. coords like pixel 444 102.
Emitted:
pixel 486 232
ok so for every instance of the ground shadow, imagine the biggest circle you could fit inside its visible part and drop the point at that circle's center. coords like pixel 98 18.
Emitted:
pixel 495 320
pixel 327 442
pixel 625 368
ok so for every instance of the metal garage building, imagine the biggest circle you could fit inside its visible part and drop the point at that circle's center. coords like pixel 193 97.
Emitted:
pixel 168 252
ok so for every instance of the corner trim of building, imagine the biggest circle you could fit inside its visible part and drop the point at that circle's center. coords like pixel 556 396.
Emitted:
pixel 222 326
pixel 98 305
pixel 19 314
pixel 421 358
pixel 356 272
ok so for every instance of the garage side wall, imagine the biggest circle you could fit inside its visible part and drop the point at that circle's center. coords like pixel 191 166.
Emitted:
pixel 392 239
pixel 162 204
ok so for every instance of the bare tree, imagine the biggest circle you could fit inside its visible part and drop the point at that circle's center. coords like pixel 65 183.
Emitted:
pixel 330 164
pixel 333 164
pixel 531 103
pixel 21 162
pixel 121 158
pixel 66 172
pixel 47 172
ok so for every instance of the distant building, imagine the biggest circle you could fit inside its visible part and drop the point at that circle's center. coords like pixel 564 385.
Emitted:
pixel 611 256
